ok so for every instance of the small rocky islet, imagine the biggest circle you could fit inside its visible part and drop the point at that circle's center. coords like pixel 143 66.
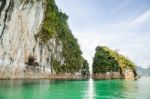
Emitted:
pixel 109 64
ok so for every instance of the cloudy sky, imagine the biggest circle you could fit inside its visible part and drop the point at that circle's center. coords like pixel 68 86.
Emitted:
pixel 118 24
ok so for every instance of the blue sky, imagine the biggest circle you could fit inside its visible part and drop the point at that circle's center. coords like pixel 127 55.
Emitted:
pixel 118 24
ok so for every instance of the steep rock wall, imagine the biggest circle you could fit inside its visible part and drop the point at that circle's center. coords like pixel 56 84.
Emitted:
pixel 20 21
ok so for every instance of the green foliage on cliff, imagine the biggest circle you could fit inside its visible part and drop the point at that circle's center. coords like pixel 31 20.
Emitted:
pixel 107 60
pixel 85 69
pixel 55 26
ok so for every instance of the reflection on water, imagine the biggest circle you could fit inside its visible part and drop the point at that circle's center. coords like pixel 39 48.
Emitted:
pixel 90 94
pixel 91 89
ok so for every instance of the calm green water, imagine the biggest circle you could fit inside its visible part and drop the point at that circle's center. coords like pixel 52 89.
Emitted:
pixel 103 89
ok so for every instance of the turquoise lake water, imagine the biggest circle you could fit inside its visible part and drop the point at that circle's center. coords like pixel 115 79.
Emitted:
pixel 100 89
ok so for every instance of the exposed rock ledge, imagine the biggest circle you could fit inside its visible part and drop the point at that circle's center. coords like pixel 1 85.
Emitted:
pixel 36 74
pixel 126 74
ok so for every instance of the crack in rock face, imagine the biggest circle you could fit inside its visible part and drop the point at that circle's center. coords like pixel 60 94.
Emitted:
pixel 19 23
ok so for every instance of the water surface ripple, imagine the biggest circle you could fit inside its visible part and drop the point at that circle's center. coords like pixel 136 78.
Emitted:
pixel 91 89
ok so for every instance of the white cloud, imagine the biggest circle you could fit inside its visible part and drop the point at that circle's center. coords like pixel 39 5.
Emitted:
pixel 123 36
pixel 134 24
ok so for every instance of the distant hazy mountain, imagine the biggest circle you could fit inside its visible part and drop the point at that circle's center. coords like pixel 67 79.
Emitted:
pixel 143 71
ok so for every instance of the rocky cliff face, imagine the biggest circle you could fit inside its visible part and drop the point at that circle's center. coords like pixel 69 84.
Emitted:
pixel 126 74
pixel 20 48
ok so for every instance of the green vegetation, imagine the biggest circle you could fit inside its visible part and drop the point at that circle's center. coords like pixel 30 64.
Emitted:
pixel 107 60
pixel 85 69
pixel 55 26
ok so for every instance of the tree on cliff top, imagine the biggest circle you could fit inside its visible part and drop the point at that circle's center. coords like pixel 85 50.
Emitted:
pixel 107 60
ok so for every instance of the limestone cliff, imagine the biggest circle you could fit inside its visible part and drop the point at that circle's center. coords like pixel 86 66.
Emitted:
pixel 109 64
pixel 23 47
